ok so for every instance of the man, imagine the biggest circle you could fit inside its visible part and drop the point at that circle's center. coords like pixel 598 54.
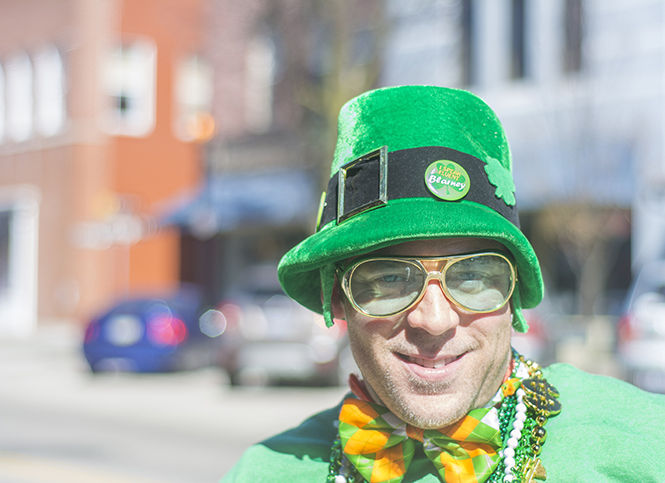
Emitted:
pixel 418 248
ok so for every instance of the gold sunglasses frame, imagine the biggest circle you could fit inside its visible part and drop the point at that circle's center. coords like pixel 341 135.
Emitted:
pixel 438 274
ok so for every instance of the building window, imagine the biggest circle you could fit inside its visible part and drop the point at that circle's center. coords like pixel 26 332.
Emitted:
pixel 193 100
pixel 467 51
pixel 130 84
pixel 49 91
pixel 261 67
pixel 19 97
pixel 517 41
pixel 573 33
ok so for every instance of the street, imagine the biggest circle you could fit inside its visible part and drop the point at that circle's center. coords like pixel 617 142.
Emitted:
pixel 60 423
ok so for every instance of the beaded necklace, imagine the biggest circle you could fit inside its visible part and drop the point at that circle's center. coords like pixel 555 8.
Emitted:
pixel 522 417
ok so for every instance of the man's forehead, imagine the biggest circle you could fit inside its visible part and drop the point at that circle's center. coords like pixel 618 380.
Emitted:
pixel 440 247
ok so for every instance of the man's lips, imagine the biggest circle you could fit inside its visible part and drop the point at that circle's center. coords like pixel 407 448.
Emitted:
pixel 434 362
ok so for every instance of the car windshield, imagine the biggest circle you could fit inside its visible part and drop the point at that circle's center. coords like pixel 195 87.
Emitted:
pixel 183 303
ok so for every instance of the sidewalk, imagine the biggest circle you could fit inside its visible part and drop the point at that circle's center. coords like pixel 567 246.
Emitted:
pixel 51 343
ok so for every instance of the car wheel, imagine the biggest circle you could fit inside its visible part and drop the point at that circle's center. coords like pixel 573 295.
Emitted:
pixel 249 377
pixel 234 379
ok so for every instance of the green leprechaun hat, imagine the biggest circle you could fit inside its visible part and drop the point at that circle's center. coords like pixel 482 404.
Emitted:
pixel 413 163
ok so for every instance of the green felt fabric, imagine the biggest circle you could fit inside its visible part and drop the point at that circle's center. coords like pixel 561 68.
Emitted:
pixel 608 431
pixel 411 116
pixel 407 117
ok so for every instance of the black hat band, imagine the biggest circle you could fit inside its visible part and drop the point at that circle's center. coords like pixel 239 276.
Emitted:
pixel 378 177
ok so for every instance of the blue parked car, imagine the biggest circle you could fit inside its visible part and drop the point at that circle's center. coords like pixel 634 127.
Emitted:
pixel 155 334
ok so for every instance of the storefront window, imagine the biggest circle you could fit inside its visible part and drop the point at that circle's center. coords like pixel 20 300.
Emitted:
pixel 5 221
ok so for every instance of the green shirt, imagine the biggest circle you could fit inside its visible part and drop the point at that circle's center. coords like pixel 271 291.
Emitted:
pixel 608 430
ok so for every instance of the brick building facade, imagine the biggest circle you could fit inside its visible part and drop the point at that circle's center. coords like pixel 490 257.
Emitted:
pixel 93 137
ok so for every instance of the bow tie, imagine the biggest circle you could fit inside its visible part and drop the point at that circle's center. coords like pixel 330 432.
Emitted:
pixel 381 446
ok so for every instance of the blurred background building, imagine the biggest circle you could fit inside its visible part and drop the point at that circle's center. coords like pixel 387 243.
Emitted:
pixel 92 139
pixel 146 144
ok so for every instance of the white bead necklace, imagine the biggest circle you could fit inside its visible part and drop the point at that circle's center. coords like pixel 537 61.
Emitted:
pixel 508 452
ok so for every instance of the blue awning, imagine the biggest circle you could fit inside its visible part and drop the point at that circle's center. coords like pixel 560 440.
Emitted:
pixel 224 203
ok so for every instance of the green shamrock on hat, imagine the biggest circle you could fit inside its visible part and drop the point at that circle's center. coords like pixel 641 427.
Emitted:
pixel 500 177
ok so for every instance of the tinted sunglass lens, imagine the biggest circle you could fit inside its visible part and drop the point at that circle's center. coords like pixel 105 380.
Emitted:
pixel 384 287
pixel 481 283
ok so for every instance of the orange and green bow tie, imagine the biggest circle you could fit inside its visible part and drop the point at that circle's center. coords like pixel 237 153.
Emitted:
pixel 381 446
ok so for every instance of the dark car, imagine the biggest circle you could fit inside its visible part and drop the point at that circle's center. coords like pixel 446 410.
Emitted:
pixel 154 334
pixel 273 339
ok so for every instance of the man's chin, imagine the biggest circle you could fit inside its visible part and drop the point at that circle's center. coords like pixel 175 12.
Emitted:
pixel 423 388
pixel 430 421
pixel 430 411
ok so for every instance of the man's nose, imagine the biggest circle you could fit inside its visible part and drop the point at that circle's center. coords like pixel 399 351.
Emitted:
pixel 434 313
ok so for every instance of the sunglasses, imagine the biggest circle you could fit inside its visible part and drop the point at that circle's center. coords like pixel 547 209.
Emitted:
pixel 385 286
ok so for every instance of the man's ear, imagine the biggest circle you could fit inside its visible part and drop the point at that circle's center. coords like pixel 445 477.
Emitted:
pixel 337 302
